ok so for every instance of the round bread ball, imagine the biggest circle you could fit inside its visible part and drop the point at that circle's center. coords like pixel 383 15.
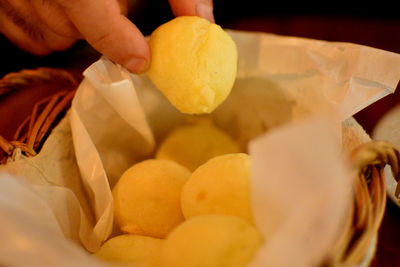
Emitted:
pixel 147 197
pixel 193 63
pixel 192 145
pixel 210 241
pixel 220 186
pixel 130 250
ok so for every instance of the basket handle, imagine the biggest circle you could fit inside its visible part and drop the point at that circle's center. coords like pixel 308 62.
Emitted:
pixel 368 162
pixel 378 154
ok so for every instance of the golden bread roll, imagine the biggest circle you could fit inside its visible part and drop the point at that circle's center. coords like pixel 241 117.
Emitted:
pixel 147 198
pixel 193 63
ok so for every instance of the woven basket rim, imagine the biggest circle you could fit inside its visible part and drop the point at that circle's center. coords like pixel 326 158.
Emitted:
pixel 45 114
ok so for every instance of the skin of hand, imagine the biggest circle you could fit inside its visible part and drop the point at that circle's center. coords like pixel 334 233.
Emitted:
pixel 43 26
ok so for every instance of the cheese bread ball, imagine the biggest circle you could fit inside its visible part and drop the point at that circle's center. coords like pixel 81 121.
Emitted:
pixel 210 241
pixel 192 145
pixel 147 198
pixel 131 250
pixel 193 63
pixel 220 186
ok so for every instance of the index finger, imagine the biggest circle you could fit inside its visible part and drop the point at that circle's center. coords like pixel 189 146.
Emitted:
pixel 104 27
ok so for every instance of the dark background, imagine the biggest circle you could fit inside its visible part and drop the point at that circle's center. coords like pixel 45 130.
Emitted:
pixel 373 23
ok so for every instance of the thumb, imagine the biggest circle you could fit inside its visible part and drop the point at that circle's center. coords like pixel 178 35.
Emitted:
pixel 109 32
pixel 201 8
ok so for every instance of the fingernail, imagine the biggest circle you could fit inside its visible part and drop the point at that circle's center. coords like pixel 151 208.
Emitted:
pixel 137 65
pixel 205 11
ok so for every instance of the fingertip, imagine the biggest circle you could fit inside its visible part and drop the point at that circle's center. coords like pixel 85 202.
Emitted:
pixel 111 33
pixel 201 8
pixel 205 11
pixel 137 65
pixel 137 53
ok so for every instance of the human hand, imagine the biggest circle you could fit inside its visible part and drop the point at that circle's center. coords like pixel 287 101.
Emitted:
pixel 44 26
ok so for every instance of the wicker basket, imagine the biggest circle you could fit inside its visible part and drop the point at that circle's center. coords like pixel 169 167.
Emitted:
pixel 355 247
pixel 32 132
